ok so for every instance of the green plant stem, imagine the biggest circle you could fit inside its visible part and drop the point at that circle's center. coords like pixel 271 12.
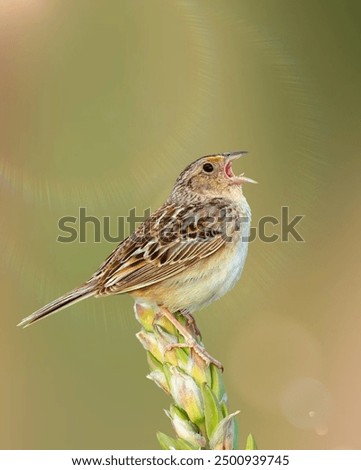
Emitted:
pixel 199 412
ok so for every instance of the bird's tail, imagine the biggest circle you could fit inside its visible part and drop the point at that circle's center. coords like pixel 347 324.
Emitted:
pixel 80 293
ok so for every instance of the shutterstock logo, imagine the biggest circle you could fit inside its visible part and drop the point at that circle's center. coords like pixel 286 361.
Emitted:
pixel 89 228
pixel 75 228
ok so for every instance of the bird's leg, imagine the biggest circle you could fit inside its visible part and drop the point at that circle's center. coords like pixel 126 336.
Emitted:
pixel 189 341
pixel 191 323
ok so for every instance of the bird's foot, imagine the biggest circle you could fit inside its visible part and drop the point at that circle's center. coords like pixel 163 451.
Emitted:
pixel 199 350
pixel 189 340
pixel 191 323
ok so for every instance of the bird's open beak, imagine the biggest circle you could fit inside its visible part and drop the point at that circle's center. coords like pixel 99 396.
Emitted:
pixel 230 156
pixel 234 155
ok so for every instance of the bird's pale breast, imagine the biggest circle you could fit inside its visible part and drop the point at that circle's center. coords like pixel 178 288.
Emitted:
pixel 206 281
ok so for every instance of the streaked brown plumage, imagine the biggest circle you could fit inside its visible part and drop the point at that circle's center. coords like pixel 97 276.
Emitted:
pixel 186 254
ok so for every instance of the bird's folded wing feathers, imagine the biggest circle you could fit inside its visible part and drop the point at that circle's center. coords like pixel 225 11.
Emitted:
pixel 152 254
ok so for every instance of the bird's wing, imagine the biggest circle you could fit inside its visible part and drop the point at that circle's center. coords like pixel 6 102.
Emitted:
pixel 167 243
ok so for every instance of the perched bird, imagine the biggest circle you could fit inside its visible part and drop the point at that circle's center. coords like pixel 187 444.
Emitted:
pixel 187 254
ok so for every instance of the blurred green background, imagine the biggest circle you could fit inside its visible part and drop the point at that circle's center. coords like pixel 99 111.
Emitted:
pixel 102 105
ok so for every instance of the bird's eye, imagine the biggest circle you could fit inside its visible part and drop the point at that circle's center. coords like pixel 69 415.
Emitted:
pixel 208 167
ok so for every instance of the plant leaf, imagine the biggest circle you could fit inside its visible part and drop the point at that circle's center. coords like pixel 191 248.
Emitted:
pixel 223 435
pixel 251 443
pixel 212 410
pixel 166 442
pixel 217 382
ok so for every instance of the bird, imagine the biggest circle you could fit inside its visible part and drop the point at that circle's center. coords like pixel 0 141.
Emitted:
pixel 187 254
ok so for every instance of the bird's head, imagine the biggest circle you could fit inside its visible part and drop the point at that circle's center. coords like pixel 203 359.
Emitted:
pixel 212 176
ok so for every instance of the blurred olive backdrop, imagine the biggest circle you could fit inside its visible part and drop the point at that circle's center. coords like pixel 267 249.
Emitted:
pixel 103 103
